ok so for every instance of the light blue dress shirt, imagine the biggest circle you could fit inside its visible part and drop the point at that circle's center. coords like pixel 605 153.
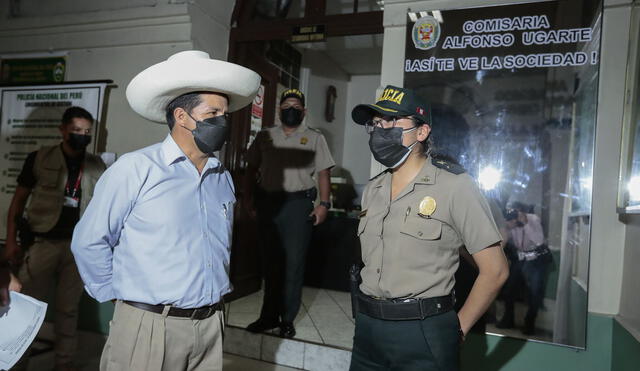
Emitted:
pixel 156 231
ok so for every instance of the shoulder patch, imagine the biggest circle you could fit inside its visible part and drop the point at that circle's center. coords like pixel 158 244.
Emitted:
pixel 448 166
pixel 377 176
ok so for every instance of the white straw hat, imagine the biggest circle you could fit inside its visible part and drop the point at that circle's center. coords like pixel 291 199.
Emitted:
pixel 152 89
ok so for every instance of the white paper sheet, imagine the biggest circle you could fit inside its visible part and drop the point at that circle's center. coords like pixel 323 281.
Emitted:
pixel 19 325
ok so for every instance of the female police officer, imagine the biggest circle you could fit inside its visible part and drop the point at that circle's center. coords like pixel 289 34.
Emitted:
pixel 415 216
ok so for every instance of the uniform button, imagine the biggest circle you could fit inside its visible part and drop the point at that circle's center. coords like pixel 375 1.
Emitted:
pixel 419 233
pixel 378 270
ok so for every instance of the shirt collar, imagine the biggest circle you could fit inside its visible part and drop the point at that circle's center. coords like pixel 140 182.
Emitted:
pixel 172 153
pixel 427 174
pixel 301 129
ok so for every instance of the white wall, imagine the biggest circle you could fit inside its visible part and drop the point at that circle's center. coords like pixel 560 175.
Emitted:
pixel 323 73
pixel 356 155
pixel 630 300
pixel 116 45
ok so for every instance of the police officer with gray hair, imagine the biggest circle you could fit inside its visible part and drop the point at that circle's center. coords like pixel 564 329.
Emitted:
pixel 415 217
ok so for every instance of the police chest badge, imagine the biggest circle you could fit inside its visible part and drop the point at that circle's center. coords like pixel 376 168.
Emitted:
pixel 304 140
pixel 425 33
pixel 427 206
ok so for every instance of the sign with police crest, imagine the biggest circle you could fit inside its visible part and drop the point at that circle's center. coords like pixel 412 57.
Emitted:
pixel 425 33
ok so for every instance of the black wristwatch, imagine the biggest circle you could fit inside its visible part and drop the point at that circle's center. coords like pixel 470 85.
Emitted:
pixel 326 204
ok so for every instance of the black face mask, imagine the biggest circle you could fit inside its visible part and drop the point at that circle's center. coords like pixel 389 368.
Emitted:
pixel 78 142
pixel 291 117
pixel 210 134
pixel 386 146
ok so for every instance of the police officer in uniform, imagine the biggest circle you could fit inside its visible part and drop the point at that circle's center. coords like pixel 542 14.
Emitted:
pixel 415 216
pixel 287 157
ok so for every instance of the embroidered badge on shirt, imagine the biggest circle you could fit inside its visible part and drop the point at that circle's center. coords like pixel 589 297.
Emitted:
pixel 427 206
pixel 304 140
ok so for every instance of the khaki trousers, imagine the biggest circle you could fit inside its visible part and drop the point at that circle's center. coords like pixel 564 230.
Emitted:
pixel 140 340
pixel 49 265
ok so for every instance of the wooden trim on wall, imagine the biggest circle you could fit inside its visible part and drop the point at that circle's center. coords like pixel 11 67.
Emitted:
pixel 335 25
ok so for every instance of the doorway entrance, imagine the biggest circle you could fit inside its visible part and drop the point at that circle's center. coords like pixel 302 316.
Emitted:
pixel 335 74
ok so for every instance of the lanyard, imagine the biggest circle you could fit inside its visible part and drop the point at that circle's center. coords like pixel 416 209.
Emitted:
pixel 76 186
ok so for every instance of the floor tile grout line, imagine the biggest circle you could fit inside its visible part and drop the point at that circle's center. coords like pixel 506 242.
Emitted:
pixel 342 309
pixel 316 327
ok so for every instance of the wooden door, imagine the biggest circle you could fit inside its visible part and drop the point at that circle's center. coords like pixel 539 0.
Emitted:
pixel 245 272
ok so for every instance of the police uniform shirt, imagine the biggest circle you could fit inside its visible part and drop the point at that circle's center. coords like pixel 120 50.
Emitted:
pixel 409 252
pixel 288 162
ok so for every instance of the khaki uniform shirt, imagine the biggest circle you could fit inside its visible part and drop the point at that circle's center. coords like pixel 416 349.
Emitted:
pixel 288 162
pixel 411 255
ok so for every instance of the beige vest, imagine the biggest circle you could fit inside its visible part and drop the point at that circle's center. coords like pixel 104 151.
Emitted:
pixel 47 197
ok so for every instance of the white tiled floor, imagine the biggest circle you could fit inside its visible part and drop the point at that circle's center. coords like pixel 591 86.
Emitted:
pixel 325 316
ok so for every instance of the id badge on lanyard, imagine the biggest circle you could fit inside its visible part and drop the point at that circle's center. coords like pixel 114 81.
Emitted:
pixel 71 198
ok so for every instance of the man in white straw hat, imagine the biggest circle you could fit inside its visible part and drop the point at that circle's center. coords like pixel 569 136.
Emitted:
pixel 156 236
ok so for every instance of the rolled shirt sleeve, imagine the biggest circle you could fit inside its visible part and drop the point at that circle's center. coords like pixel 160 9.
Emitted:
pixel 323 159
pixel 98 231
pixel 472 217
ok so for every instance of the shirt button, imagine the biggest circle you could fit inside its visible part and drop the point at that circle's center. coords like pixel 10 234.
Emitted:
pixel 420 234
pixel 378 270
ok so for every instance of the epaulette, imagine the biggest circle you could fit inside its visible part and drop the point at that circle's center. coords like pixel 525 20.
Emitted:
pixel 385 171
pixel 449 166
pixel 314 129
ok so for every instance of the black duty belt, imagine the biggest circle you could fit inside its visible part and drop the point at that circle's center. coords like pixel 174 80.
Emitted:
pixel 408 309
pixel 195 313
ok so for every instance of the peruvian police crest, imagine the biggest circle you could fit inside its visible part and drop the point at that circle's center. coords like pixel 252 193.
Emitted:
pixel 425 33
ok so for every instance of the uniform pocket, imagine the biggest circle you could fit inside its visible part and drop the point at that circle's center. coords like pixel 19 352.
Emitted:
pixel 422 229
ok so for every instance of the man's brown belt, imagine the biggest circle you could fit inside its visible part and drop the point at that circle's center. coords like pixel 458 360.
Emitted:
pixel 195 313
pixel 399 310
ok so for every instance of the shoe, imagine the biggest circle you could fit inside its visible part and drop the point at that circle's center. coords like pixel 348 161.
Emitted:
pixel 505 323
pixel 262 325
pixel 287 330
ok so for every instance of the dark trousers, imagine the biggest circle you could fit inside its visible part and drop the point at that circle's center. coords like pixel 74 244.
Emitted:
pixel 285 230
pixel 533 273
pixel 431 344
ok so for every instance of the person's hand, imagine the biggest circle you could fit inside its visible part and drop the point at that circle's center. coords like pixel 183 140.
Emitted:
pixel 462 334
pixel 320 213
pixel 14 283
pixel 13 252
